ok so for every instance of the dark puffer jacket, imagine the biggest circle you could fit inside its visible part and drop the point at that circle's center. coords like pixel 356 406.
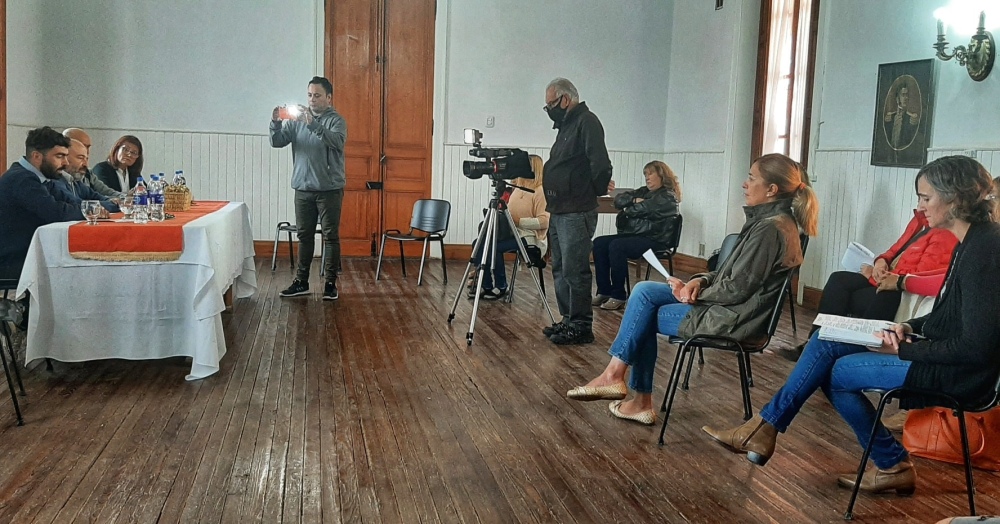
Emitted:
pixel 649 218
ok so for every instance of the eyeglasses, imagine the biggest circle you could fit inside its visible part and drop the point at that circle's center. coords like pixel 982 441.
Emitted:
pixel 549 106
pixel 127 151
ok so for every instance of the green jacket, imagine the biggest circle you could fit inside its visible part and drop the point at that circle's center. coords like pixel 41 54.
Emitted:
pixel 738 298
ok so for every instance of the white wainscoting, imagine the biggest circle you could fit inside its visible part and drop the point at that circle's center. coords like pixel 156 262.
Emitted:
pixel 700 174
pixel 217 166
pixel 864 203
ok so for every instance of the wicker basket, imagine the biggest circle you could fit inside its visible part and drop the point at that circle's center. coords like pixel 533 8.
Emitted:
pixel 176 200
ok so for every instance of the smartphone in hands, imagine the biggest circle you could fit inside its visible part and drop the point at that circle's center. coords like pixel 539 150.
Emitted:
pixel 289 112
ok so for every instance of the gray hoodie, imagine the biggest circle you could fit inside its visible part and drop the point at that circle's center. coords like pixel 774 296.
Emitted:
pixel 317 150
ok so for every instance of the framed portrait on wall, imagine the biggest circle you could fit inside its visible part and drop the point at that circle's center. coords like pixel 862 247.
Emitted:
pixel 903 113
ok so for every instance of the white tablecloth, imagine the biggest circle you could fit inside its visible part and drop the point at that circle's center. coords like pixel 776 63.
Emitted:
pixel 88 310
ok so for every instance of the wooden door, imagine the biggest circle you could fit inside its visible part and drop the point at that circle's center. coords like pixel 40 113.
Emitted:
pixel 380 58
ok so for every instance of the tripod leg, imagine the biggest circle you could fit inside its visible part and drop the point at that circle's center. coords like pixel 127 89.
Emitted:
pixel 468 269
pixel 486 259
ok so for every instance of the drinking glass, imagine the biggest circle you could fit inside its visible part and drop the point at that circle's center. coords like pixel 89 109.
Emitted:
pixel 91 209
pixel 125 205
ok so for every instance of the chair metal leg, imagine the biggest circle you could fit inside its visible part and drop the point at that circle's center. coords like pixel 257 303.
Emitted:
pixel 291 251
pixel 668 397
pixel 423 257
pixel 970 484
pixel 541 280
pixel 791 310
pixel 5 329
pixel 670 264
pixel 444 264
pixel 402 258
pixel 690 364
pixel 701 356
pixel 10 386
pixel 381 250
pixel 749 370
pixel 744 386
pixel 849 514
pixel 513 279
pixel 274 251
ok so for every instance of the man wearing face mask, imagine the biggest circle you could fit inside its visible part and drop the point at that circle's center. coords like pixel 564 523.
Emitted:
pixel 577 172
pixel 72 182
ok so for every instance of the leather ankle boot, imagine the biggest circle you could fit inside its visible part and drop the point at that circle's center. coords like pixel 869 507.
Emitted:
pixel 902 478
pixel 755 438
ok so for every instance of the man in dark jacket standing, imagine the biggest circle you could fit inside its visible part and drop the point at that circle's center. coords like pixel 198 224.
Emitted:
pixel 577 172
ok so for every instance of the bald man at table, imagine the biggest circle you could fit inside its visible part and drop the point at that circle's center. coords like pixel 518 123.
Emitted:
pixel 29 199
pixel 89 178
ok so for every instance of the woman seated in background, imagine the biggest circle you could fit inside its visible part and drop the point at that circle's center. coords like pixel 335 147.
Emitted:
pixel 955 353
pixel 644 222
pixel 532 221
pixel 875 292
pixel 735 300
pixel 123 166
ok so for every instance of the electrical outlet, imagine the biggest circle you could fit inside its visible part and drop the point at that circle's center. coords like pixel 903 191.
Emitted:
pixel 490 121
pixel 701 250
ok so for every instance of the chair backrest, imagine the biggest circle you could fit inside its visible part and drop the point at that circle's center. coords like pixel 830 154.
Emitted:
pixel 675 237
pixel 727 247
pixel 804 243
pixel 431 216
pixel 779 303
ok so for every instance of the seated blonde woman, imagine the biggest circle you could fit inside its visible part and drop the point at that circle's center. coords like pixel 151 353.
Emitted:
pixel 644 222
pixel 735 300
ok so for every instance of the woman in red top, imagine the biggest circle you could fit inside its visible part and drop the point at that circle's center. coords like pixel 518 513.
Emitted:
pixel 916 263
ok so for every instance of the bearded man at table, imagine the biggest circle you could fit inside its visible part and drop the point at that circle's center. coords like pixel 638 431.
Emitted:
pixel 28 198
pixel 72 181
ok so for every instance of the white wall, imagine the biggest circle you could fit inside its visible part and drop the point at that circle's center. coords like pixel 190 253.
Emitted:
pixel 863 202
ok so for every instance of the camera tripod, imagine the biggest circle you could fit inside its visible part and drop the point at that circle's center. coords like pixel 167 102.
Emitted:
pixel 488 241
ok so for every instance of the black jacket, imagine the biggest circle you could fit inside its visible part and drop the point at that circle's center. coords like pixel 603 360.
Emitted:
pixel 578 169
pixel 650 218
pixel 962 355
pixel 106 173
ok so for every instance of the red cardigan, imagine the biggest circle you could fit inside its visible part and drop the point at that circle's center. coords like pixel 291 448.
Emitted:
pixel 930 253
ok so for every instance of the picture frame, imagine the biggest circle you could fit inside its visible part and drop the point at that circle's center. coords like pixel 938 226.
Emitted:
pixel 903 114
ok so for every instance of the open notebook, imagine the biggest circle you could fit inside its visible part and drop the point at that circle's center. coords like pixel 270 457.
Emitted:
pixel 850 330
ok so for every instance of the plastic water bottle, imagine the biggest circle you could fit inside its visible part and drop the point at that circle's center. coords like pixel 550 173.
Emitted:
pixel 156 199
pixel 140 208
pixel 179 178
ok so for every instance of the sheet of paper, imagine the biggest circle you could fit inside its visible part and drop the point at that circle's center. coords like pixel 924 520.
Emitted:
pixel 655 263
pixel 850 330
pixel 855 256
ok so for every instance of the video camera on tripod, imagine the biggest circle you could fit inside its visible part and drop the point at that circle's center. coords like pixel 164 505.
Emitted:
pixel 499 164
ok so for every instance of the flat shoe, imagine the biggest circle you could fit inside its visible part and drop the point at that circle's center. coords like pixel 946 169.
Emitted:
pixel 614 392
pixel 612 304
pixel 646 418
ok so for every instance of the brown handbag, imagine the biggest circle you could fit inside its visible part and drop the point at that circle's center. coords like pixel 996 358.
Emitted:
pixel 933 433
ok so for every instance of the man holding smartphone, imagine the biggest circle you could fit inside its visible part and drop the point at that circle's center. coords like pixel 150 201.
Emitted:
pixel 317 135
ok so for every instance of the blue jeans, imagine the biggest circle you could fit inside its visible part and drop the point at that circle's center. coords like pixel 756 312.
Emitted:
pixel 499 277
pixel 611 255
pixel 842 371
pixel 651 309
pixel 571 241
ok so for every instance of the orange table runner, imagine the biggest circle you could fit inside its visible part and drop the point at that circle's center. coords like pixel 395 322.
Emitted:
pixel 111 241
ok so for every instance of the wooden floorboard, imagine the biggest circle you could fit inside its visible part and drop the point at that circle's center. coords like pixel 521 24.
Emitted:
pixel 373 408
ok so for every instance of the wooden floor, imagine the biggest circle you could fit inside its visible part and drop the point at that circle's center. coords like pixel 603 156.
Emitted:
pixel 373 409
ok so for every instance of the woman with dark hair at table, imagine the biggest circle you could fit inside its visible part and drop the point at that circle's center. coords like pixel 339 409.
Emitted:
pixel 644 222
pixel 955 354
pixel 735 300
pixel 123 166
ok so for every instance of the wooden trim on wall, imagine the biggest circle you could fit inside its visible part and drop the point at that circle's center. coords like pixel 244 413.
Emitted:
pixel 760 88
pixel 810 297
pixel 810 78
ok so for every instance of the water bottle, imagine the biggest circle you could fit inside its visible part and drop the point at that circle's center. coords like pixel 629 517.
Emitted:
pixel 156 199
pixel 140 209
pixel 179 178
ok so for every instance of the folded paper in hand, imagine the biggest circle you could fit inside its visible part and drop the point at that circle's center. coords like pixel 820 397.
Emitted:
pixel 655 263
pixel 856 256
pixel 850 330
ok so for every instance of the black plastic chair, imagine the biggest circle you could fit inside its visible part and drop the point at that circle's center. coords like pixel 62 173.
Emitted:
pixel 666 253
pixel 428 222
pixel 8 285
pixel 742 348
pixel 930 399
pixel 290 228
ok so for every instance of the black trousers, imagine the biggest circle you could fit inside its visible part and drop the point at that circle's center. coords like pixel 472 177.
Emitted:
pixel 850 294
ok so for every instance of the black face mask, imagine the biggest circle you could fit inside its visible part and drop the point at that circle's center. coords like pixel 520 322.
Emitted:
pixel 557 113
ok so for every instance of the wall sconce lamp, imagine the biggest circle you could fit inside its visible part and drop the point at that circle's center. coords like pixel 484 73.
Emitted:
pixel 978 57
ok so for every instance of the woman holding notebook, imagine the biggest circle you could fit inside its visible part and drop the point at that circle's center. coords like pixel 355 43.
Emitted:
pixel 956 352
pixel 735 300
